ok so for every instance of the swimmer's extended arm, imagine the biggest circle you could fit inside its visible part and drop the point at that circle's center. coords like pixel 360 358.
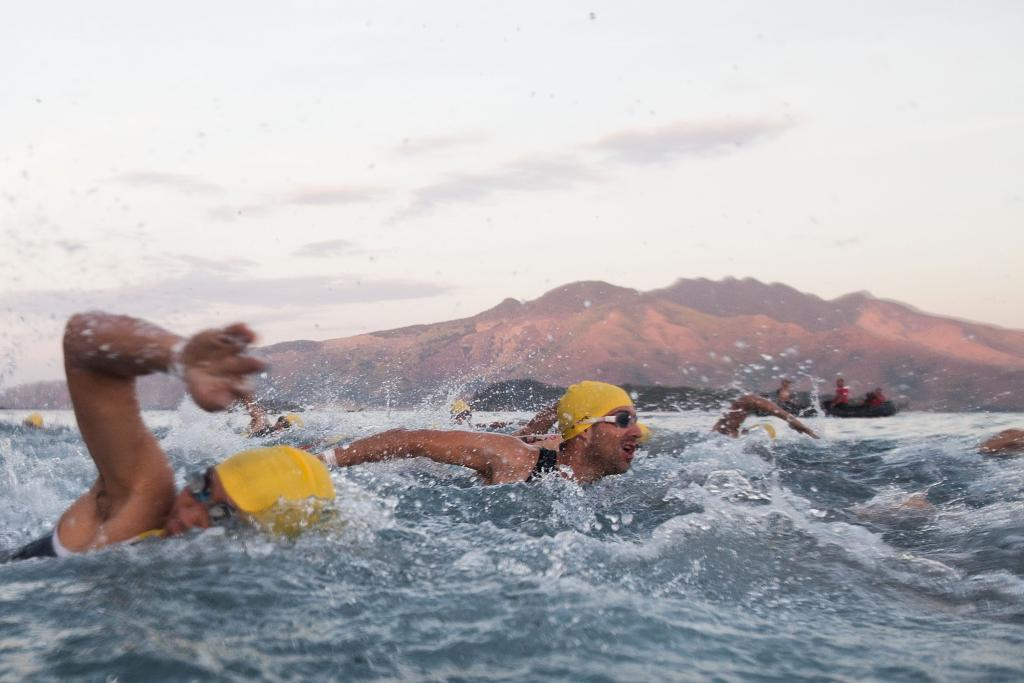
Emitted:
pixel 744 406
pixel 103 354
pixel 258 423
pixel 541 422
pixel 498 458
pixel 1005 441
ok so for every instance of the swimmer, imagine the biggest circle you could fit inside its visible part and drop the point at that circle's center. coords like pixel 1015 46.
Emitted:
pixel 749 404
pixel 896 509
pixel 33 421
pixel 597 425
pixel 1004 443
pixel 134 493
pixel 462 413
pixel 259 425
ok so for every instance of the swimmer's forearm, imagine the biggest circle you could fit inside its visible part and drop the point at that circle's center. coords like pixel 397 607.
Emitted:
pixel 383 446
pixel 541 422
pixel 761 403
pixel 477 451
pixel 117 345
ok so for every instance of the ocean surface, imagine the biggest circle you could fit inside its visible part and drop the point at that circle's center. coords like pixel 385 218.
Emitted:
pixel 712 559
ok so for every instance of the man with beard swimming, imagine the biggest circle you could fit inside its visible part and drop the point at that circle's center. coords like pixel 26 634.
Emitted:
pixel 599 437
pixel 133 497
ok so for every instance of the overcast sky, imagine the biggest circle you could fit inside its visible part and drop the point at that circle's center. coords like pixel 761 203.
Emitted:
pixel 322 169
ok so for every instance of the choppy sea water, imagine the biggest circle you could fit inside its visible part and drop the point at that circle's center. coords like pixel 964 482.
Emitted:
pixel 712 559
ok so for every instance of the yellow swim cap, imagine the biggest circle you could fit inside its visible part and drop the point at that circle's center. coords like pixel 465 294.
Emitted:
pixel 261 479
pixel 33 420
pixel 294 420
pixel 459 407
pixel 587 400
pixel 645 432
pixel 767 427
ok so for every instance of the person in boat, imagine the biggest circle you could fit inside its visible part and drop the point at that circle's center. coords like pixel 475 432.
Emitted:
pixel 875 398
pixel 743 407
pixel 842 395
pixel 1005 442
pixel 598 431
pixel 134 496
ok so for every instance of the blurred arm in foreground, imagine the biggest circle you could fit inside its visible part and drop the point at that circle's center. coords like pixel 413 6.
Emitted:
pixel 133 495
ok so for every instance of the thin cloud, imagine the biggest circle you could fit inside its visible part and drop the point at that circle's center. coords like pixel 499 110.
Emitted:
pixel 426 145
pixel 687 140
pixel 848 242
pixel 567 171
pixel 175 181
pixel 320 196
pixel 204 288
pixel 530 175
pixel 329 196
pixel 330 248
pixel 199 264
pixel 228 214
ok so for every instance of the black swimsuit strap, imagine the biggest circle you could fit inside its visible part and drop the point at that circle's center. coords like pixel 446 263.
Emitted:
pixel 547 461
pixel 41 547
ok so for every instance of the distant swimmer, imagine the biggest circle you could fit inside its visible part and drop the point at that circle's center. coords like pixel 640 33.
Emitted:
pixel 462 413
pixel 1005 442
pixel 896 508
pixel 749 404
pixel 33 421
pixel 597 424
pixel 133 496
pixel 260 425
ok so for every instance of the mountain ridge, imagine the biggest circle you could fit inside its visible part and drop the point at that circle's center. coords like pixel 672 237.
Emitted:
pixel 734 333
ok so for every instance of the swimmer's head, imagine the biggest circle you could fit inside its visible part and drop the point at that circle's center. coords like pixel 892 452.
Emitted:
pixel 585 401
pixel 287 422
pixel 35 420
pixel 599 429
pixel 840 382
pixel 460 411
pixel 280 488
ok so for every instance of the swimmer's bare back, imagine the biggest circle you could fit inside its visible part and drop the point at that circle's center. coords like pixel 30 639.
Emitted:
pixel 1006 442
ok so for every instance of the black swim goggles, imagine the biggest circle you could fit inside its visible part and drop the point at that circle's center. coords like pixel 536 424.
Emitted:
pixel 621 419
pixel 201 487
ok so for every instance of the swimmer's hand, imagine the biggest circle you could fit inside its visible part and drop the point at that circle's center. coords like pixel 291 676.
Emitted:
pixel 214 366
pixel 798 426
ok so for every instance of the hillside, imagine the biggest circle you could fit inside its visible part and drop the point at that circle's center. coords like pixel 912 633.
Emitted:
pixel 734 334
